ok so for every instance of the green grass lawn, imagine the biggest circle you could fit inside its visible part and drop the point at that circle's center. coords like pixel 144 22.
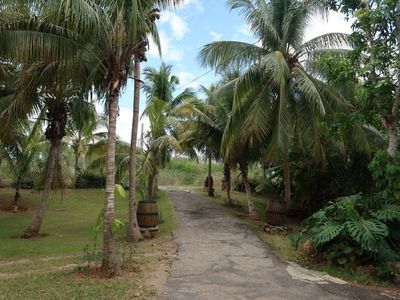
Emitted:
pixel 45 267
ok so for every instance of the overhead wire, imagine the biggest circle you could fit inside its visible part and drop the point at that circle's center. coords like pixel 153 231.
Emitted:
pixel 213 69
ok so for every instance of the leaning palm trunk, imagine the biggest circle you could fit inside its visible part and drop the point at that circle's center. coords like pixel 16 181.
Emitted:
pixel 111 264
pixel 133 227
pixel 227 175
pixel 244 169
pixel 286 178
pixel 34 228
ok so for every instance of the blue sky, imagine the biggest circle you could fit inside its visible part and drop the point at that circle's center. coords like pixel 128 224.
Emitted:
pixel 186 29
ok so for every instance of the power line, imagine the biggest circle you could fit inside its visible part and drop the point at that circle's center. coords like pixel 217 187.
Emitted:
pixel 213 69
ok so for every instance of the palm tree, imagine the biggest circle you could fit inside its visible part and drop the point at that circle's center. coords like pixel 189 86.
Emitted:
pixel 103 36
pixel 20 148
pixel 275 85
pixel 80 131
pixel 97 158
pixel 242 148
pixel 164 123
pixel 139 56
pixel 205 122
pixel 52 100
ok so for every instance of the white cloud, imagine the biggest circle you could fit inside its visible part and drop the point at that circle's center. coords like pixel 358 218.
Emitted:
pixel 178 26
pixel 243 29
pixel 196 3
pixel 216 36
pixel 169 51
pixel 334 23
pixel 186 78
pixel 124 124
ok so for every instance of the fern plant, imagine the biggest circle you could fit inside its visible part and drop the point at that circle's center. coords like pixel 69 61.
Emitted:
pixel 354 229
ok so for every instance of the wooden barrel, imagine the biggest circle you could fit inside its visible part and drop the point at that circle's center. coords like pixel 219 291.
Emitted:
pixel 276 214
pixel 147 214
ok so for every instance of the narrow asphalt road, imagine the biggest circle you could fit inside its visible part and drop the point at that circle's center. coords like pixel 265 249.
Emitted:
pixel 219 258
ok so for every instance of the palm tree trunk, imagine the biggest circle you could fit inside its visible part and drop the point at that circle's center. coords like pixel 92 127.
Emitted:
pixel 227 175
pixel 77 155
pixel 150 187
pixel 133 226
pixel 17 196
pixel 110 264
pixel 244 169
pixel 155 184
pixel 34 228
pixel 210 182
pixel 286 178
pixel 76 167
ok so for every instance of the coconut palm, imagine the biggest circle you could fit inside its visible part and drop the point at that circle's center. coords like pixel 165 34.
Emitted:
pixel 275 89
pixel 21 146
pixel 165 126
pixel 50 99
pixel 80 131
pixel 139 56
pixel 205 121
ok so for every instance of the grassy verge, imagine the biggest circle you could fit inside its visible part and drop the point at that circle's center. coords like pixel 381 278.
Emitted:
pixel 185 172
pixel 282 244
pixel 45 267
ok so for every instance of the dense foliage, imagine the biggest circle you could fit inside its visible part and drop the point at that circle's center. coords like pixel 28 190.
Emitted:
pixel 87 180
pixel 355 229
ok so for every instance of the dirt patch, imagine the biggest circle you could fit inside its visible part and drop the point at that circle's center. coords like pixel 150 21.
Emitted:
pixel 10 209
pixel 160 274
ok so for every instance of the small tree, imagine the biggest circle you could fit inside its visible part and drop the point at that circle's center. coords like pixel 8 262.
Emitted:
pixel 21 146
pixel 376 60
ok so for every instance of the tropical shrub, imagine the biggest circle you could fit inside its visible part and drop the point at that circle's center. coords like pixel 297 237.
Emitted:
pixel 90 180
pixel 25 183
pixel 316 183
pixel 354 230
pixel 386 176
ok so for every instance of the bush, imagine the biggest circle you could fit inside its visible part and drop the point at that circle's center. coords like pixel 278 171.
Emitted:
pixel 355 230
pixel 26 183
pixel 315 184
pixel 88 180
pixel 386 176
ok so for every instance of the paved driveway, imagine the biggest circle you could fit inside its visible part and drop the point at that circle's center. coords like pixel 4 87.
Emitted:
pixel 219 258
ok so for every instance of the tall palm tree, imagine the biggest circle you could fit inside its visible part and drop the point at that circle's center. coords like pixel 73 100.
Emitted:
pixel 52 100
pixel 139 56
pixel 205 121
pixel 164 122
pixel 275 84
